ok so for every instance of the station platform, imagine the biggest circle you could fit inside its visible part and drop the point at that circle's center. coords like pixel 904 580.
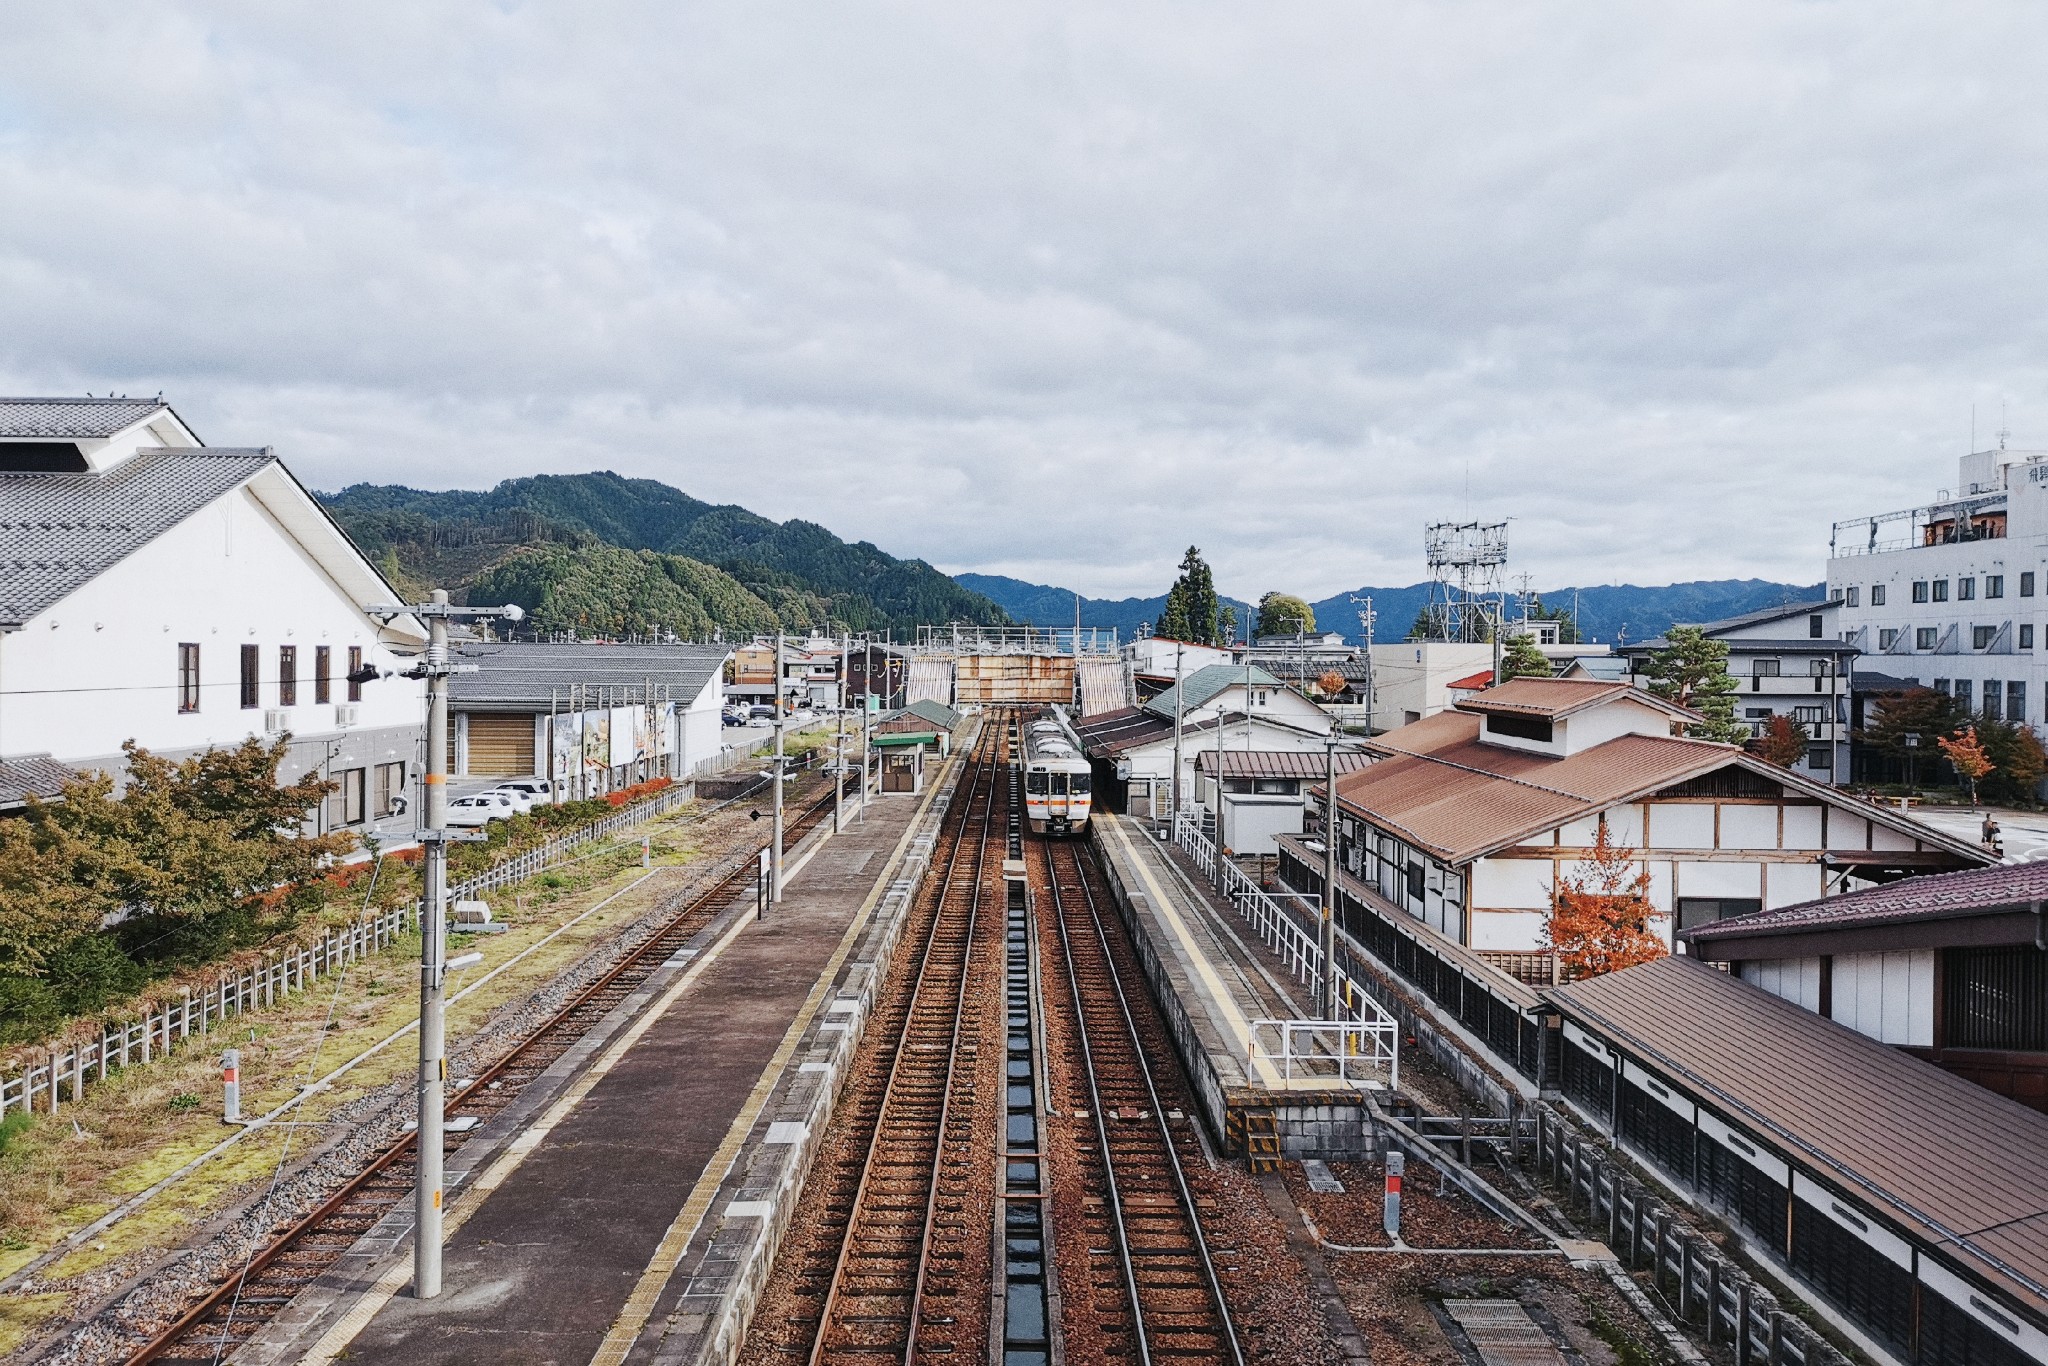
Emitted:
pixel 628 1205
pixel 1213 979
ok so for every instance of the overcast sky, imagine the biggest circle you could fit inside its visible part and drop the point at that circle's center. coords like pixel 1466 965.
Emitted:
pixel 1054 292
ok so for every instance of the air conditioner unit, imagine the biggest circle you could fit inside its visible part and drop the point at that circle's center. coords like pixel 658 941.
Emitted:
pixel 345 714
pixel 276 721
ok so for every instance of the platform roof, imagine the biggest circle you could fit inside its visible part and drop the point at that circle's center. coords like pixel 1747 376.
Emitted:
pixel 1954 1165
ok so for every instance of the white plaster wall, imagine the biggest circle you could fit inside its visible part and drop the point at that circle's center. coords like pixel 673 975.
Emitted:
pixel 1847 830
pixel 1598 725
pixel 1719 879
pixel 1889 996
pixel 1802 827
pixel 1792 979
pixel 1513 883
pixel 1788 884
pixel 101 666
pixel 1508 931
pixel 1681 825
pixel 1884 837
pixel 1749 827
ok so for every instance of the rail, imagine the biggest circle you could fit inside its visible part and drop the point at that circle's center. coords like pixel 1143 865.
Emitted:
pixel 67 1066
pixel 1294 945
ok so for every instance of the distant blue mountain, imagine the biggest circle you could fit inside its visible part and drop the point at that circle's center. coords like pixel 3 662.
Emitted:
pixel 1604 611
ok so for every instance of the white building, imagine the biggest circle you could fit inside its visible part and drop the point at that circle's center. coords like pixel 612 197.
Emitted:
pixel 1792 661
pixel 184 597
pixel 1949 593
pixel 1472 816
pixel 1412 678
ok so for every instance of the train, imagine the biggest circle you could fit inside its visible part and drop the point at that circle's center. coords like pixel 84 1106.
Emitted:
pixel 1057 798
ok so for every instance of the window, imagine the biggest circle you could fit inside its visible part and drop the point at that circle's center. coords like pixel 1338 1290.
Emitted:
pixel 1817 667
pixel 1941 590
pixel 390 787
pixel 1813 626
pixel 287 675
pixel 345 805
pixel 1886 639
pixel 1521 727
pixel 1037 783
pixel 1923 638
pixel 1278 787
pixel 1877 595
pixel 252 665
pixel 1077 783
pixel 2027 636
pixel 1854 598
pixel 1919 590
pixel 323 666
pixel 1962 693
pixel 1994 697
pixel 355 662
pixel 1980 637
pixel 2015 700
pixel 1415 882
pixel 1821 757
pixel 1810 716
pixel 1966 589
pixel 188 677
pixel 2027 584
pixel 1941 685
pixel 1995 998
pixel 1705 910
pixel 1994 585
pixel 1767 668
pixel 1757 714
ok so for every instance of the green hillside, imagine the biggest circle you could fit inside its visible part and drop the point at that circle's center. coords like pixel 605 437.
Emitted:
pixel 561 546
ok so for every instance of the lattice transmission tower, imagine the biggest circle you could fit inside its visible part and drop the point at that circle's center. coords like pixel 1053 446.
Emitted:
pixel 1465 560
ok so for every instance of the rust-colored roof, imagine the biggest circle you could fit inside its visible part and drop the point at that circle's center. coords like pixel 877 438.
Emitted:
pixel 1280 763
pixel 1472 682
pixel 1560 697
pixel 1944 896
pixel 1951 1162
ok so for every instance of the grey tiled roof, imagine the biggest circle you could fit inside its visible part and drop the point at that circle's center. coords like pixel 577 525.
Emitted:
pixel 37 775
pixel 73 417
pixel 523 676
pixel 1199 687
pixel 58 531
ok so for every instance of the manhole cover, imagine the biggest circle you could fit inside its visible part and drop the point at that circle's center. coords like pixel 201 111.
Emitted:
pixel 1503 1334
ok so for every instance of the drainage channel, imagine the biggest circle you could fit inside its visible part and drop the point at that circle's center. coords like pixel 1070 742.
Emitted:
pixel 1025 1231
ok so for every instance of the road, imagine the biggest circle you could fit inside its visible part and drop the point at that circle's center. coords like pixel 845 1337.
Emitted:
pixel 2024 833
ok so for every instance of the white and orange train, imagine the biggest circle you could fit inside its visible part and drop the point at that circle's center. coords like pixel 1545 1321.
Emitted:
pixel 1056 783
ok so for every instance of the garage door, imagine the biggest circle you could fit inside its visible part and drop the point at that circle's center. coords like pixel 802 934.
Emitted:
pixel 500 746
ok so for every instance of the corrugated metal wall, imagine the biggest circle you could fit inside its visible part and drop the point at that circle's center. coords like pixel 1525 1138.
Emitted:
pixel 1013 678
pixel 930 680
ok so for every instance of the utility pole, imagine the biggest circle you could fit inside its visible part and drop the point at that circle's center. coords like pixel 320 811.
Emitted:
pixel 1327 1001
pixel 434 835
pixel 839 745
pixel 1366 618
pixel 775 871
pixel 1179 706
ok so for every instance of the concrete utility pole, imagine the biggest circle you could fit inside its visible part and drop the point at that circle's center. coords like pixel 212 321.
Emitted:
pixel 436 668
pixel 1179 706
pixel 775 855
pixel 839 744
pixel 1328 992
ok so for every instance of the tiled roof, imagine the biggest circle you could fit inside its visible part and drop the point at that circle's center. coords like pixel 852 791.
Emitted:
pixel 523 676
pixel 1460 798
pixel 1558 697
pixel 1112 732
pixel 33 775
pixel 1279 763
pixel 1758 618
pixel 1941 896
pixel 77 418
pixel 921 715
pixel 1204 684
pixel 58 531
pixel 1472 682
pixel 1952 1162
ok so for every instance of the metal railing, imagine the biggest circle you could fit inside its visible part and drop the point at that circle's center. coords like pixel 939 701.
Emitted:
pixel 1346 1051
pixel 1295 945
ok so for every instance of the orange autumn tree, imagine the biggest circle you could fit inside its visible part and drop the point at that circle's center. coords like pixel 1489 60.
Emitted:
pixel 1600 911
pixel 1966 754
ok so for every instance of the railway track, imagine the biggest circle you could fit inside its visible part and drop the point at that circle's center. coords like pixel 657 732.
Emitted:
pixel 899 1265
pixel 1153 1292
pixel 211 1330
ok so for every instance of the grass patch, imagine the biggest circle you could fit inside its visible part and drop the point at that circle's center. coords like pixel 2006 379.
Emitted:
pixel 17 1123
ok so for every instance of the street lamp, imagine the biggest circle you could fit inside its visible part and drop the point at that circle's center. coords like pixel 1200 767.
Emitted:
pixel 436 668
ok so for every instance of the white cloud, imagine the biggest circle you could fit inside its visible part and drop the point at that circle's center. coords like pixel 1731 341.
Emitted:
pixel 1056 293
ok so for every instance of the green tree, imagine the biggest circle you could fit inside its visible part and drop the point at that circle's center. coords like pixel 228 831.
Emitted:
pixel 1692 671
pixel 1908 724
pixel 1520 658
pixel 1193 612
pixel 1283 614
pixel 2018 757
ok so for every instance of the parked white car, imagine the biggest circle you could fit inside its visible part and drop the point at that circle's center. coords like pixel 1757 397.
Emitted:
pixel 480 809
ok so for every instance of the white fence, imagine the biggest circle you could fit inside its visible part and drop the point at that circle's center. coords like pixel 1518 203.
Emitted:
pixel 1298 949
pixel 65 1067
pixel 1340 1050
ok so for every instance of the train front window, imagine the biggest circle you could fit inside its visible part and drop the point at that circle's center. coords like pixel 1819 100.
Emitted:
pixel 1079 785
pixel 1035 782
pixel 1059 784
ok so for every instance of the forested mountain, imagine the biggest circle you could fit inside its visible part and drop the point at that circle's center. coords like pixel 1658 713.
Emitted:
pixel 599 553
pixel 1604 612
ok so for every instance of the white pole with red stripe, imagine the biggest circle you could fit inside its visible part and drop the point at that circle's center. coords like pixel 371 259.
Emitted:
pixel 231 1086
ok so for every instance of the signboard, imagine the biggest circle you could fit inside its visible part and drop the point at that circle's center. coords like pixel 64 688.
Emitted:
pixel 597 741
pixel 628 734
pixel 566 747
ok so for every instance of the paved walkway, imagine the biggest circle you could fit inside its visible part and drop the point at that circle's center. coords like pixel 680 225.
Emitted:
pixel 561 1220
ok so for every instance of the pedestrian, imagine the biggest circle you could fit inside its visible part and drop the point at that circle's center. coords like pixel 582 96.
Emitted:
pixel 1990 832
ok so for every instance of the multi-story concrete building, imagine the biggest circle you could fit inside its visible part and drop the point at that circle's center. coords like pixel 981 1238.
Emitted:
pixel 1787 661
pixel 1949 594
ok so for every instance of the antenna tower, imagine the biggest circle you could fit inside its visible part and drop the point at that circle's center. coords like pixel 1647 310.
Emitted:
pixel 1465 560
